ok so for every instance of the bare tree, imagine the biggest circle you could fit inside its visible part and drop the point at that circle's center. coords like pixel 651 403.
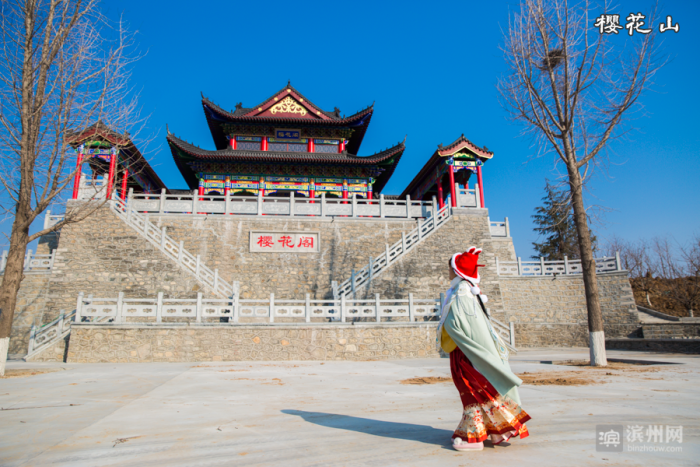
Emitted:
pixel 636 259
pixel 63 67
pixel 571 91
pixel 682 271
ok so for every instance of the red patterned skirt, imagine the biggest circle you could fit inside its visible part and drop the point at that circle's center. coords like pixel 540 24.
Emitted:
pixel 486 412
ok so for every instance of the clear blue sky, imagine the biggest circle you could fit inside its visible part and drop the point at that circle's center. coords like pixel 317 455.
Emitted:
pixel 432 70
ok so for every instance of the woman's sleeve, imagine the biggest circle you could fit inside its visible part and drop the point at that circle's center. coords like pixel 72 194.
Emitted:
pixel 492 367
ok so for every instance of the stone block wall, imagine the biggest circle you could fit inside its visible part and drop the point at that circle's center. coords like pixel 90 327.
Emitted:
pixel 550 311
pixel 678 330
pixel 32 301
pixel 103 256
pixel 134 343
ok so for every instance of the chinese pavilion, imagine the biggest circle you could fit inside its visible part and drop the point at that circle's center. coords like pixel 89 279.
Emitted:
pixel 448 167
pixel 285 144
pixel 114 157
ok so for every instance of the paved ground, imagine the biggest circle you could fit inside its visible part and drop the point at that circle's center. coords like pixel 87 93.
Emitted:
pixel 333 413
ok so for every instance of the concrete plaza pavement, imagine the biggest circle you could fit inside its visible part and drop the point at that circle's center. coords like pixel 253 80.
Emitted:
pixel 330 413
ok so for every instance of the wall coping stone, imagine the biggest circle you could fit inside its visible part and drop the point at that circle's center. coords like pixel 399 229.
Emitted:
pixel 478 212
pixel 428 324
pixel 622 273
pixel 283 219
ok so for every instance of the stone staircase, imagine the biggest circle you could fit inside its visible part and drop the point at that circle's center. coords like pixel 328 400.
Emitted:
pixel 49 336
pixel 173 249
pixel 408 242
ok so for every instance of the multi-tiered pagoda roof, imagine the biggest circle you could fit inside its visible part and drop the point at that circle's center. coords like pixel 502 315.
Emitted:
pixel 286 136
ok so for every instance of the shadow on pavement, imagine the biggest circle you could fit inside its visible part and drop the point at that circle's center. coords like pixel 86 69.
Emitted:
pixel 421 433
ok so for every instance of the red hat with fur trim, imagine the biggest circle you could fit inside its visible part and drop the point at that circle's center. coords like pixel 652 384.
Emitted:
pixel 466 264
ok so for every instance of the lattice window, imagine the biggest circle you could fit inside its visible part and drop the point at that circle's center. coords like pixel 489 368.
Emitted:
pixel 248 146
pixel 327 148
pixel 297 147
pixel 277 147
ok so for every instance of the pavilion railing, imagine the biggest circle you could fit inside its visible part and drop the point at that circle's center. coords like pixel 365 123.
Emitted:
pixel 92 188
pixel 33 263
pixel 549 268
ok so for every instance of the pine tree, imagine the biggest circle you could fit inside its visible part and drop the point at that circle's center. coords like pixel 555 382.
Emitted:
pixel 555 221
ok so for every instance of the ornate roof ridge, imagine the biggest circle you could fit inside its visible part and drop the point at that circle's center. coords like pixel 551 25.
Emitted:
pixel 240 112
pixel 343 158
pixel 483 152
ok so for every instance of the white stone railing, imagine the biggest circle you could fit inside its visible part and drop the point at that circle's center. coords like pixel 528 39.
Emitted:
pixel 172 248
pixel 33 263
pixel 468 198
pixel 118 310
pixel 259 205
pixel 43 336
pixel 92 188
pixel 500 229
pixel 549 268
pixel 392 253
pixel 51 220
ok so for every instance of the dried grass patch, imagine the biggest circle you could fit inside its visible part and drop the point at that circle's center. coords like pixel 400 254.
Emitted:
pixel 21 373
pixel 427 380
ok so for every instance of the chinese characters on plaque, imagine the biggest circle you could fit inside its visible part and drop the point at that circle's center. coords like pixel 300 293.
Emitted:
pixel 284 242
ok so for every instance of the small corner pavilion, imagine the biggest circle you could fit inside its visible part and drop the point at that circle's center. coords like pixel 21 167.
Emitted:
pixel 447 169
pixel 109 154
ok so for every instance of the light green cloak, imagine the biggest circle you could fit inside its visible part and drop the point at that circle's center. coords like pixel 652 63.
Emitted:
pixel 467 325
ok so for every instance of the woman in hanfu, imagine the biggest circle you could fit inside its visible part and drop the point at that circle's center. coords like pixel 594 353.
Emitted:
pixel 478 361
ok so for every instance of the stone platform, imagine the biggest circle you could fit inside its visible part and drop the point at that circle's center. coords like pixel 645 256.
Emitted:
pixel 328 413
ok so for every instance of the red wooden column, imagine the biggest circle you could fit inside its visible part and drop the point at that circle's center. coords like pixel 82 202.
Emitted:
pixel 227 186
pixel 481 185
pixel 261 186
pixel 312 190
pixel 345 191
pixel 125 177
pixel 341 146
pixel 453 193
pixel 441 199
pixel 310 146
pixel 232 142
pixel 79 173
pixel 201 188
pixel 263 144
pixel 112 167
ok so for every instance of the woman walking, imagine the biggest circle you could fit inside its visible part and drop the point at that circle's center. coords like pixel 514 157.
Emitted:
pixel 478 361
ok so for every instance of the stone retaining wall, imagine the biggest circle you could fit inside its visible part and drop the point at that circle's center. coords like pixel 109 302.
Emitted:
pixel 688 346
pixel 138 343
pixel 32 301
pixel 550 311
pixel 670 330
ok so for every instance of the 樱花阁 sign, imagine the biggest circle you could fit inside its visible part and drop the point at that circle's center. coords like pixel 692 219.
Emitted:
pixel 284 242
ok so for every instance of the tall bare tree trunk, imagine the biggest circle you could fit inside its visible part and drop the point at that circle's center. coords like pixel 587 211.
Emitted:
pixel 11 280
pixel 596 335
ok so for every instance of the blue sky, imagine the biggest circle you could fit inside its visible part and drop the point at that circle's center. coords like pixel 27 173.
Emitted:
pixel 432 70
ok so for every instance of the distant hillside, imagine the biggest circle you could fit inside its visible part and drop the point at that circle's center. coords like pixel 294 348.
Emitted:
pixel 661 299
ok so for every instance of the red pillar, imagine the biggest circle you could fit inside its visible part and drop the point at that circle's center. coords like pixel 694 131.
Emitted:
pixel 263 144
pixel 227 186
pixel 481 185
pixel 311 147
pixel 232 142
pixel 440 197
pixel 125 177
pixel 453 193
pixel 112 167
pixel 261 185
pixel 312 190
pixel 341 146
pixel 79 173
